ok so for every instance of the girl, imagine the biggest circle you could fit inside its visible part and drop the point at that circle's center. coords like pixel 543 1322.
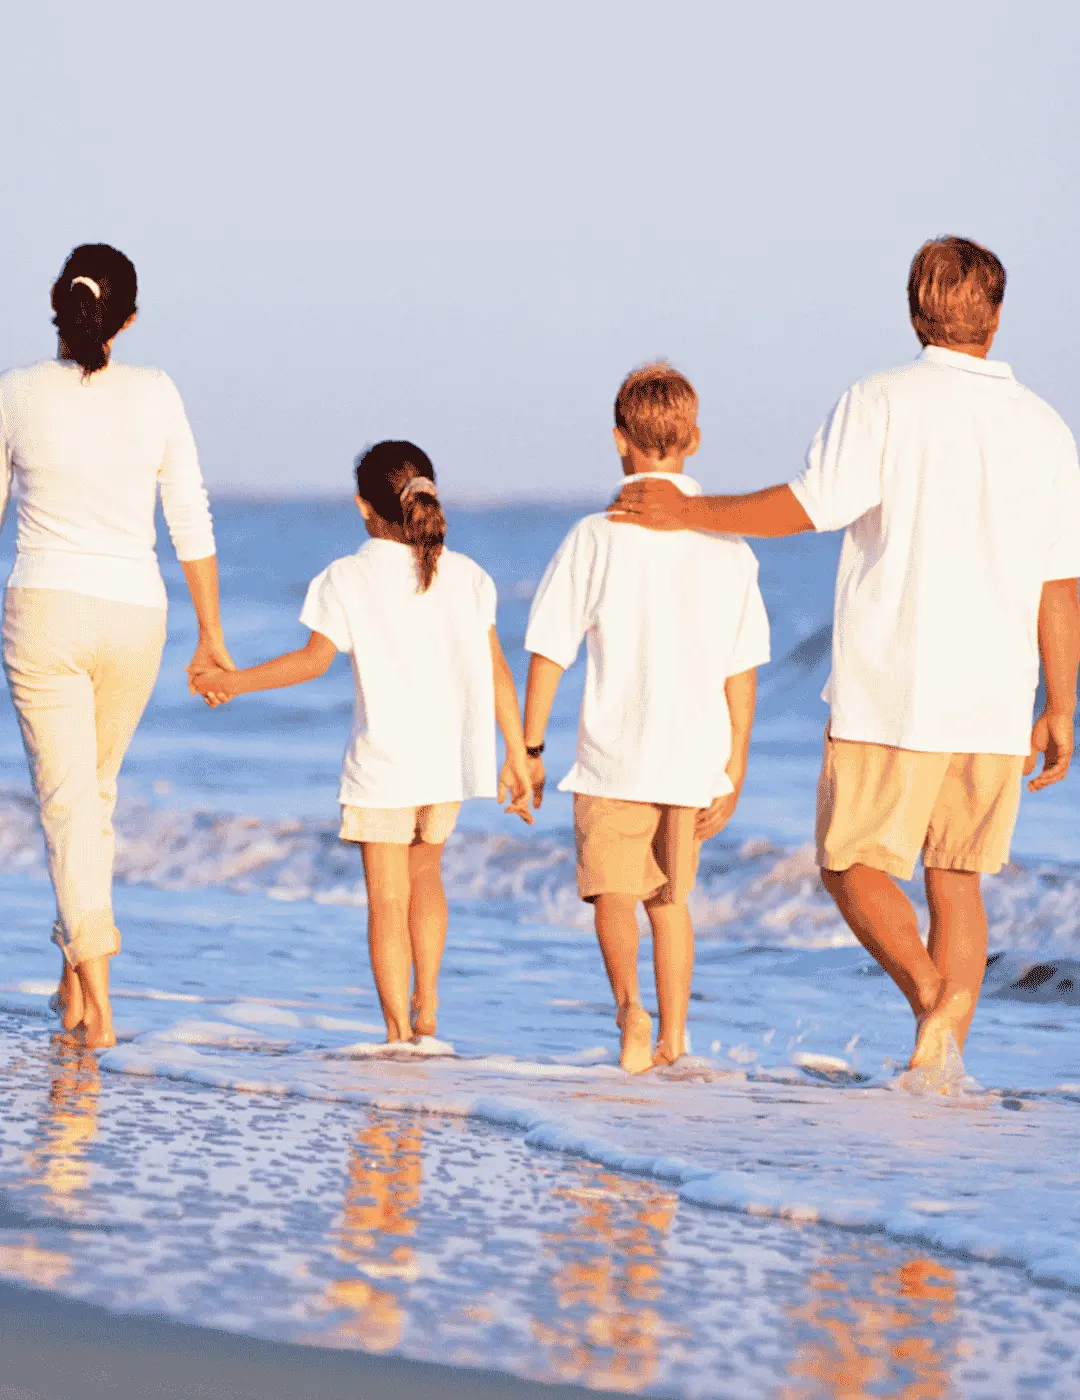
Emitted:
pixel 87 443
pixel 431 683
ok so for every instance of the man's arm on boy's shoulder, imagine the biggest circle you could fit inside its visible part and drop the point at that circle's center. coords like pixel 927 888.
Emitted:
pixel 1059 651
pixel 658 505
pixel 741 693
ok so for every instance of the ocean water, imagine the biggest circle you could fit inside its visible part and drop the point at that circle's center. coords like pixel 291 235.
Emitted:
pixel 248 1155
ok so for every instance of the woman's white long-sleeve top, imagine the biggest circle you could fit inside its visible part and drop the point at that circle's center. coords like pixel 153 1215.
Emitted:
pixel 85 458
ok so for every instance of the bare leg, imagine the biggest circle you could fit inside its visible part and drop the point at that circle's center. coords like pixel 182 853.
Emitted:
pixel 617 930
pixel 673 956
pixel 428 920
pixel 883 919
pixel 386 871
pixel 958 937
pixel 97 1022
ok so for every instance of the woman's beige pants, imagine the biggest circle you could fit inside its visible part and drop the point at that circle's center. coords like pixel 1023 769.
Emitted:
pixel 80 671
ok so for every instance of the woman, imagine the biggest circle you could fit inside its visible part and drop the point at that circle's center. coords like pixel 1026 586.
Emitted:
pixel 86 443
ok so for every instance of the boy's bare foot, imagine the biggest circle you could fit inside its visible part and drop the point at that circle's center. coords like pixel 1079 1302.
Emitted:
pixel 635 1052
pixel 938 1025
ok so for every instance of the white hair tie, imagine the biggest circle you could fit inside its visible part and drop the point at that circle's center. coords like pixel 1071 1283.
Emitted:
pixel 88 282
pixel 419 485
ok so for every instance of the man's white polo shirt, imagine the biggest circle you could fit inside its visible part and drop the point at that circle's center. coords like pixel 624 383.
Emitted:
pixel 960 491
pixel 667 618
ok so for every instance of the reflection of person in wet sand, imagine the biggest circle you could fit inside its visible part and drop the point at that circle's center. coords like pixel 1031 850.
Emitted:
pixel 960 493
pixel 610 1331
pixel 382 1197
pixel 890 1334
pixel 69 1125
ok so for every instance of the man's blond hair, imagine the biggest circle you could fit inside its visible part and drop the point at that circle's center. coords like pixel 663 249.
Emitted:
pixel 954 290
pixel 656 408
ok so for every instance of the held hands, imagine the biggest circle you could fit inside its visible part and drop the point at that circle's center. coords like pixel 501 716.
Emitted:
pixel 211 655
pixel 1053 737
pixel 514 782
pixel 211 684
pixel 658 505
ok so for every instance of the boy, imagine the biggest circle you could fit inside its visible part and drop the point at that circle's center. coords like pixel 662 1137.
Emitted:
pixel 675 627
pixel 960 495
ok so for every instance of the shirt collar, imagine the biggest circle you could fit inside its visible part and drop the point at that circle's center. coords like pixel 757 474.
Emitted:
pixel 686 484
pixel 956 359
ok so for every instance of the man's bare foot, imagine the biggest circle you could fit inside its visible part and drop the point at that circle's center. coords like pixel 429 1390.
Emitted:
pixel 635 1051
pixel 938 1025
pixel 67 1000
pixel 423 1018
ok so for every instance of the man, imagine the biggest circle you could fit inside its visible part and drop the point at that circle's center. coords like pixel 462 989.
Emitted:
pixel 960 494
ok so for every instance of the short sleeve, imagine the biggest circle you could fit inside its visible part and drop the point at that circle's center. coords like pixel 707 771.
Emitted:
pixel 323 611
pixel 1062 557
pixel 751 648
pixel 561 612
pixel 842 477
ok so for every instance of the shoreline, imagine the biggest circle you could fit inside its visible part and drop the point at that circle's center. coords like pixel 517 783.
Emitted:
pixel 57 1348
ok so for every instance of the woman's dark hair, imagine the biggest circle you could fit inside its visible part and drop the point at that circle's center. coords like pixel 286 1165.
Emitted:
pixel 382 473
pixel 88 316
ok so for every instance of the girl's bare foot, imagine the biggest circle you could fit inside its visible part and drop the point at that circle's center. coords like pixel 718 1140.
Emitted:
pixel 939 1024
pixel 67 1000
pixel 423 1017
pixel 96 1034
pixel 635 1053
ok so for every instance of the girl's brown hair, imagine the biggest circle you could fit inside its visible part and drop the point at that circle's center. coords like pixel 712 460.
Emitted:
pixel 383 473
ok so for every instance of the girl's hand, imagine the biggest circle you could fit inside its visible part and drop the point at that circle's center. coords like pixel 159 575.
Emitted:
pixel 211 655
pixel 210 684
pixel 711 820
pixel 514 781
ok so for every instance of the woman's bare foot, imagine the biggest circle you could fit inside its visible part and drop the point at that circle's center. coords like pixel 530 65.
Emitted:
pixel 96 1029
pixel 635 1051
pixel 423 1018
pixel 938 1025
pixel 67 1000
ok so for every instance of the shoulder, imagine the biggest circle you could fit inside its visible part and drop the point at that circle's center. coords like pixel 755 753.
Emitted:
pixel 461 570
pixel 729 552
pixel 26 378
pixel 1047 417
pixel 147 380
pixel 339 573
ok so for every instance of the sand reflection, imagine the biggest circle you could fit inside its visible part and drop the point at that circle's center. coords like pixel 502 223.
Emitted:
pixel 372 1237
pixel 886 1335
pixel 59 1161
pixel 608 1284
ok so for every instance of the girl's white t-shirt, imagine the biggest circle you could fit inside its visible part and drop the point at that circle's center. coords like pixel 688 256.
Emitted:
pixel 424 724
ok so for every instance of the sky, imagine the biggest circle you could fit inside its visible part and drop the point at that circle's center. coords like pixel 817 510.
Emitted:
pixel 463 224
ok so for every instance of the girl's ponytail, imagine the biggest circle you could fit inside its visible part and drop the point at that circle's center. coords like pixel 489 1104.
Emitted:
pixel 93 299
pixel 398 481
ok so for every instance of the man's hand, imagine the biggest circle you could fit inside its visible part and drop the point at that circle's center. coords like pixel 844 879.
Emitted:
pixel 514 783
pixel 711 820
pixel 1053 736
pixel 658 505
pixel 537 779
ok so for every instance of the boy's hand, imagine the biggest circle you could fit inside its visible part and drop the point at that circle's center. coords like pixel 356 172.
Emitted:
pixel 537 779
pixel 514 782
pixel 712 819
pixel 1053 736
pixel 211 685
pixel 658 505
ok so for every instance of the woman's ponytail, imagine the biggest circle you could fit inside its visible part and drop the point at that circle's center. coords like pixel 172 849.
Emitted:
pixel 398 481
pixel 92 299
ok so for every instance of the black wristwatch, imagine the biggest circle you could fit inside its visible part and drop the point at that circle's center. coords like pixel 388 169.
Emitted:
pixel 534 750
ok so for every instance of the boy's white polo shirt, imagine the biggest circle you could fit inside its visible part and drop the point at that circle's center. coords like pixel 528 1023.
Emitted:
pixel 424 724
pixel 960 491
pixel 667 618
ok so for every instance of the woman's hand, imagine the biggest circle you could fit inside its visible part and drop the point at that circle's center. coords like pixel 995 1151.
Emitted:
pixel 211 655
pixel 212 684
pixel 514 783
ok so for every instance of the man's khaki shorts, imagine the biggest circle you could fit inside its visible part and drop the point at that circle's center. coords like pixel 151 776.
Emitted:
pixel 881 806
pixel 400 826
pixel 642 849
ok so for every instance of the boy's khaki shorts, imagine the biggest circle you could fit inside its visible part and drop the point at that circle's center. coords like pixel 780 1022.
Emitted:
pixel 400 826
pixel 644 849
pixel 881 806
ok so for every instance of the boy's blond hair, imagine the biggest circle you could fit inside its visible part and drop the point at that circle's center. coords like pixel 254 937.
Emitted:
pixel 656 408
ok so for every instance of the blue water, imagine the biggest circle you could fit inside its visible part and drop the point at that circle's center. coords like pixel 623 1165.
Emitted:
pixel 244 972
